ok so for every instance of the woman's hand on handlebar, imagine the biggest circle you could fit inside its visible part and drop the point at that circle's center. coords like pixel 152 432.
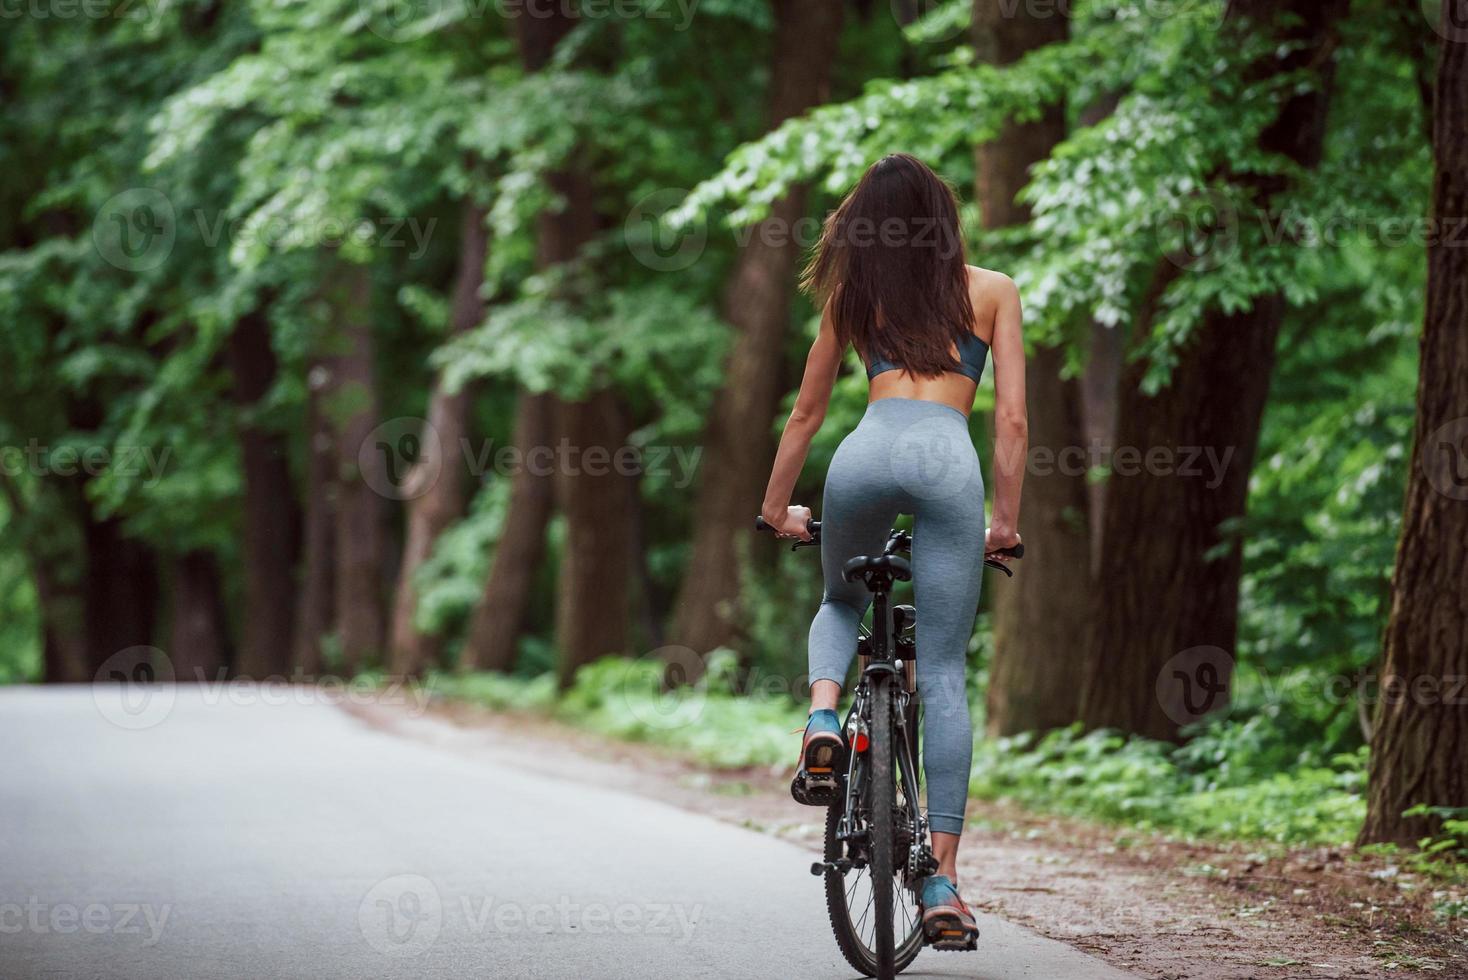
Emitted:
pixel 789 522
pixel 998 539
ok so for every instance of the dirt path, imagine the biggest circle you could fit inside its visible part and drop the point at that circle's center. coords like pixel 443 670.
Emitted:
pixel 1155 906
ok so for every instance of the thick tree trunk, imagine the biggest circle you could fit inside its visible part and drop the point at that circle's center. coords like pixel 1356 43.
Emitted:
pixel 361 468
pixel 434 488
pixel 1419 744
pixel 594 591
pixel 499 618
pixel 316 611
pixel 1039 615
pixel 271 532
pixel 121 593
pixel 1168 575
pixel 199 637
pixel 739 447
pixel 593 609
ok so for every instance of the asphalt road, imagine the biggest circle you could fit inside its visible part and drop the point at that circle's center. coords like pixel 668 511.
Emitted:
pixel 197 835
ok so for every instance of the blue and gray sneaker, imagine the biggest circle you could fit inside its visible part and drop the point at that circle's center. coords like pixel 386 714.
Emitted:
pixel 818 779
pixel 947 921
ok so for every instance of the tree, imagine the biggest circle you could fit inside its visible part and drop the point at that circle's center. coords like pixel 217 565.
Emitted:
pixel 1038 617
pixel 433 507
pixel 352 410
pixel 1180 592
pixel 739 446
pixel 270 531
pixel 1419 741
pixel 499 616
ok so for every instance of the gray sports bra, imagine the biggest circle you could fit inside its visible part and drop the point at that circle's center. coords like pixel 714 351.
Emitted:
pixel 972 352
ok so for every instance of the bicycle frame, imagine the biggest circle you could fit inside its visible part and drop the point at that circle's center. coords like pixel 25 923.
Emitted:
pixel 886 650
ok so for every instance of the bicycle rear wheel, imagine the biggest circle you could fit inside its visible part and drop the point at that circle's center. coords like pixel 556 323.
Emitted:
pixel 872 914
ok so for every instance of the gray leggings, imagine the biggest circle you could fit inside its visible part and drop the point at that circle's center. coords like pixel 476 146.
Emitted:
pixel 910 457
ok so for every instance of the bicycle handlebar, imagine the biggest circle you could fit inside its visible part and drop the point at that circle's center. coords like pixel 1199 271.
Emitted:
pixel 814 527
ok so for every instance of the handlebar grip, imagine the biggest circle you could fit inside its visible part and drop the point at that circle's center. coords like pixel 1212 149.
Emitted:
pixel 813 526
pixel 1018 551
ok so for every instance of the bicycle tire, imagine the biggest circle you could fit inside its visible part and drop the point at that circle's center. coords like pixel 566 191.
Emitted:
pixel 860 954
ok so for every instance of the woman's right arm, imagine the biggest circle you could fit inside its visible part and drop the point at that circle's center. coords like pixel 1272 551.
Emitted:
pixel 821 367
pixel 1011 420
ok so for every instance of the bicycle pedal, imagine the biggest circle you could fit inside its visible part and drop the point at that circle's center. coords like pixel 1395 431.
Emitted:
pixel 947 938
pixel 817 790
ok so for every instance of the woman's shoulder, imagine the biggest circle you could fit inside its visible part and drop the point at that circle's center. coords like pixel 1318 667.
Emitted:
pixel 990 292
pixel 988 283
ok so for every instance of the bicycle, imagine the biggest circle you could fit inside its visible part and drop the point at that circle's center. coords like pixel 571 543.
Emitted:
pixel 875 826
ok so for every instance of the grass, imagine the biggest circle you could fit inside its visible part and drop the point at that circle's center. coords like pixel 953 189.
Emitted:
pixel 1215 787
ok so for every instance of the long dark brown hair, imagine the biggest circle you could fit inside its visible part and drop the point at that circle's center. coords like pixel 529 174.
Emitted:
pixel 892 256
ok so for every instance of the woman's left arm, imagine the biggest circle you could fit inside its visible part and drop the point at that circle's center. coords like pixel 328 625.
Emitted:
pixel 821 367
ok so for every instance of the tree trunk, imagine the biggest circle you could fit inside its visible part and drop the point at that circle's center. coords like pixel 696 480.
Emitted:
pixel 361 470
pixel 594 591
pixel 434 488
pixel 121 589
pixel 316 611
pixel 199 637
pixel 64 657
pixel 593 614
pixel 270 535
pixel 738 442
pixel 1168 575
pixel 499 618
pixel 1419 744
pixel 1039 615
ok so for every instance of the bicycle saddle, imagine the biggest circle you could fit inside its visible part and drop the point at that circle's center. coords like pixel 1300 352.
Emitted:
pixel 861 567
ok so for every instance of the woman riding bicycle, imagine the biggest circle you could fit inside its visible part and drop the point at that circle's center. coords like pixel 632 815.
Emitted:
pixel 891 272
